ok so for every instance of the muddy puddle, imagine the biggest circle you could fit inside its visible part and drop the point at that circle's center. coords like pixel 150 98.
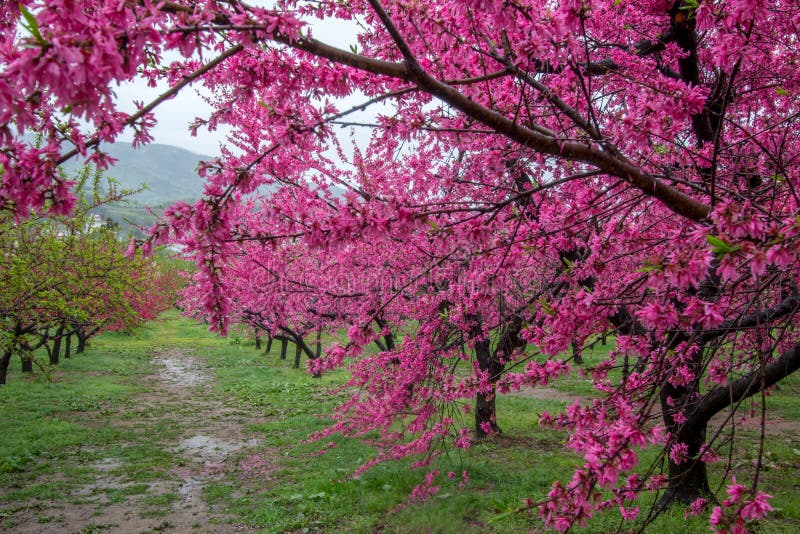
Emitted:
pixel 180 415
pixel 210 448
pixel 181 371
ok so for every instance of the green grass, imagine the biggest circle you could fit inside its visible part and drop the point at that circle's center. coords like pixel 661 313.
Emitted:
pixel 42 420
pixel 52 442
pixel 315 493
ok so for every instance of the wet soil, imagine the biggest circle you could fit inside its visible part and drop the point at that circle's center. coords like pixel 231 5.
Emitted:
pixel 207 441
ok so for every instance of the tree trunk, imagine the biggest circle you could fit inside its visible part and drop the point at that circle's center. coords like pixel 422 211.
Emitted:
pixel 27 363
pixel 688 480
pixel 493 364
pixel 284 345
pixel 81 335
pixel 67 343
pixel 297 354
pixel 485 413
pixel 269 344
pixel 317 374
pixel 258 338
pixel 4 361
pixel 577 353
pixel 56 352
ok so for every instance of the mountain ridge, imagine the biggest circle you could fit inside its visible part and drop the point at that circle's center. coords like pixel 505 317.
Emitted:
pixel 168 172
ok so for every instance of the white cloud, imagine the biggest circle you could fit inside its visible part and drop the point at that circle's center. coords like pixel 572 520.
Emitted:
pixel 173 117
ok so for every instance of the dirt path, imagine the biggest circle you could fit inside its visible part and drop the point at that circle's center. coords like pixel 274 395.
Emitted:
pixel 181 416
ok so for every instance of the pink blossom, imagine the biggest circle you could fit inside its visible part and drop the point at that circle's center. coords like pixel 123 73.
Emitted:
pixel 736 492
pixel 679 453
pixel 757 508
pixel 716 518
pixel 696 507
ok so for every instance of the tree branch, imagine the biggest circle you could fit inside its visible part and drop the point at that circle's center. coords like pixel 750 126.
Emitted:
pixel 298 339
pixel 166 95
pixel 411 71
pixel 761 317
pixel 723 396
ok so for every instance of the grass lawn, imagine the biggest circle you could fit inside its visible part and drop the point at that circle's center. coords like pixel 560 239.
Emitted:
pixel 104 434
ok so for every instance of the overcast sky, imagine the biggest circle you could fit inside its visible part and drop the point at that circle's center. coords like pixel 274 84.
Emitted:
pixel 174 116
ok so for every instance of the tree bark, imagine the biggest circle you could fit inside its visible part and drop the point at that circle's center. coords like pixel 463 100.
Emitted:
pixel 80 334
pixel 49 353
pixel 269 344
pixel 577 353
pixel 4 361
pixel 284 345
pixel 27 363
pixel 721 397
pixel 258 338
pixel 688 480
pixel 485 410
pixel 317 374
pixel 67 344
pixel 298 339
pixel 388 337
pixel 298 352
pixel 56 352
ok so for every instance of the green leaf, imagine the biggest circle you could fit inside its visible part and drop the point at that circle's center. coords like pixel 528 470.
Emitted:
pixel 690 7
pixel 716 242
pixel 781 91
pixel 649 268
pixel 32 25
pixel 720 247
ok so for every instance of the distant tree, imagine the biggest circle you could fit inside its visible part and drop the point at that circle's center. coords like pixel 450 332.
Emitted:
pixel 68 276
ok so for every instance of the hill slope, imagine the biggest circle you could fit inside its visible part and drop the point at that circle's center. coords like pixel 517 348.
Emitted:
pixel 168 172
pixel 165 173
